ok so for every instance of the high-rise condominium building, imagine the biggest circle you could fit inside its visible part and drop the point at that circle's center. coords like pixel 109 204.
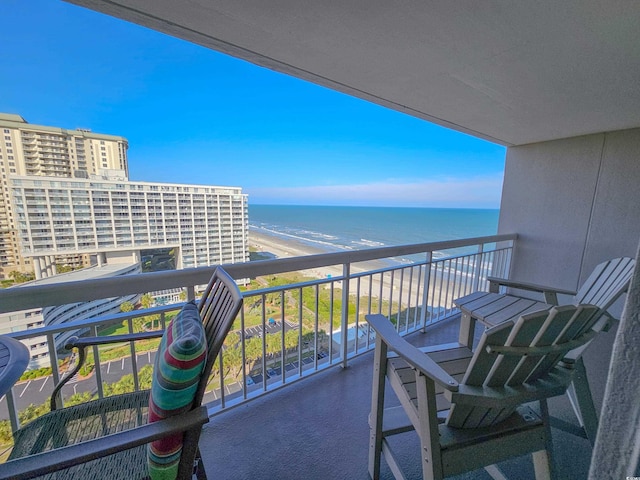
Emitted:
pixel 202 225
pixel 36 150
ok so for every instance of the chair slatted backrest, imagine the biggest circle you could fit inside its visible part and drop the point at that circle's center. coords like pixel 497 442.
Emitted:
pixel 533 345
pixel 606 283
pixel 218 307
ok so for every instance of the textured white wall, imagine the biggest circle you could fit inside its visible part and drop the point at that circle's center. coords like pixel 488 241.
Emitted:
pixel 617 450
pixel 575 202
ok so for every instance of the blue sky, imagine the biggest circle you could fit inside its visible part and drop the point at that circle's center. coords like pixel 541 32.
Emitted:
pixel 192 115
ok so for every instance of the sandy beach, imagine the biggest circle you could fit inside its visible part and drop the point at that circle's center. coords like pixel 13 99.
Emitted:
pixel 271 246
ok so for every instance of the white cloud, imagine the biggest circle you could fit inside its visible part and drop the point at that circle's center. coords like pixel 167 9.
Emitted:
pixel 478 192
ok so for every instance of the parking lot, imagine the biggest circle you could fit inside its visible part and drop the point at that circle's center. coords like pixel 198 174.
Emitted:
pixel 274 326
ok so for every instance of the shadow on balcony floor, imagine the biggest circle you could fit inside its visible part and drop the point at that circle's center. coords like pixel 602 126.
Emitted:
pixel 317 429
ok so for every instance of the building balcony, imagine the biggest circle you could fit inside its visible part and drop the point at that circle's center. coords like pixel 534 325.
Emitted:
pixel 314 410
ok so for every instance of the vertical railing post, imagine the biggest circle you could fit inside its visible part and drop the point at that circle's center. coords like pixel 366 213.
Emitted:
pixel 96 366
pixel 425 290
pixel 344 320
pixel 13 411
pixel 191 293
pixel 477 268
pixel 134 358
pixel 53 358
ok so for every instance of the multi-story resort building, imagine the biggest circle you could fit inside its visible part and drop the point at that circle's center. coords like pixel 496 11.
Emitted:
pixel 66 199
pixel 203 225
pixel 37 150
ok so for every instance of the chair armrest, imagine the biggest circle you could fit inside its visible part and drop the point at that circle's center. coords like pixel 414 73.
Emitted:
pixel 412 355
pixel 76 342
pixel 550 293
pixel 58 459
pixel 82 343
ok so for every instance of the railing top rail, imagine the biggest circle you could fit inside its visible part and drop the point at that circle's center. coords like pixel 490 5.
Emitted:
pixel 36 296
pixel 102 320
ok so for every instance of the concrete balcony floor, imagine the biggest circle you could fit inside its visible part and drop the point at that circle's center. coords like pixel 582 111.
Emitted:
pixel 318 429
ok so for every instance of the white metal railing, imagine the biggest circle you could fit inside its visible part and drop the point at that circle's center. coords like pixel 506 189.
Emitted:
pixel 285 331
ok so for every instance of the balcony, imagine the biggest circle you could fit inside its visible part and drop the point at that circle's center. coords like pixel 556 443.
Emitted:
pixel 314 409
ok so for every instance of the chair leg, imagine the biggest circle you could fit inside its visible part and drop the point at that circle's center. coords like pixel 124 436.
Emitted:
pixel 377 408
pixel 201 473
pixel 543 459
pixel 583 402
pixel 428 432
pixel 467 330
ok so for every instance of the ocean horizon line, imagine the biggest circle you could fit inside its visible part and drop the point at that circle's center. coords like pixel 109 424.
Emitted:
pixel 368 206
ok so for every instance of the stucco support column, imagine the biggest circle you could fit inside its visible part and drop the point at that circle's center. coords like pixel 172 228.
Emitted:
pixel 36 268
pixel 43 266
pixel 100 258
pixel 54 269
pixel 617 447
pixel 47 260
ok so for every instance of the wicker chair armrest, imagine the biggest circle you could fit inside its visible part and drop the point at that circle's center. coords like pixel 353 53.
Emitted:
pixel 82 343
pixel 54 460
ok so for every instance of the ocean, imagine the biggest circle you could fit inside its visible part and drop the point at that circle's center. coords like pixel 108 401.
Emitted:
pixel 350 228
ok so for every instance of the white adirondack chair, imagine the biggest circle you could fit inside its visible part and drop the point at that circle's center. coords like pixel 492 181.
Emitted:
pixel 608 281
pixel 602 288
pixel 468 407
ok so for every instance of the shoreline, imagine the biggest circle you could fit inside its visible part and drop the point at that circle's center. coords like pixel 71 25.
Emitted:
pixel 281 247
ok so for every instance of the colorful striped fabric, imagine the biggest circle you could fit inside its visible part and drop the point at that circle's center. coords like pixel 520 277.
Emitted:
pixel 179 362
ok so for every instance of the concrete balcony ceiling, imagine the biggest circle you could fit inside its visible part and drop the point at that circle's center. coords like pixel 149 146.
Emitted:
pixel 512 72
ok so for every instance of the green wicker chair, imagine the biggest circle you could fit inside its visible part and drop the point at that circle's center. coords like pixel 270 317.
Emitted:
pixel 107 438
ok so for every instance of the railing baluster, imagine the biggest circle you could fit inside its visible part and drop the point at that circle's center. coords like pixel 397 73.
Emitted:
pixel 300 340
pixel 425 290
pixel 358 286
pixel 418 296
pixel 13 411
pixel 478 270
pixel 221 376
pixel 390 314
pixel 96 364
pixel 134 358
pixel 243 354
pixel 53 358
pixel 344 314
pixel 331 322
pixel 264 351
pixel 283 349
pixel 316 337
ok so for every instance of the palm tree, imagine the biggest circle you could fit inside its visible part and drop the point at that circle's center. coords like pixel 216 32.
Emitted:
pixel 126 307
pixel 146 301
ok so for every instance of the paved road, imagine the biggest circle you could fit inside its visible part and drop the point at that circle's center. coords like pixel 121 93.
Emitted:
pixel 39 391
